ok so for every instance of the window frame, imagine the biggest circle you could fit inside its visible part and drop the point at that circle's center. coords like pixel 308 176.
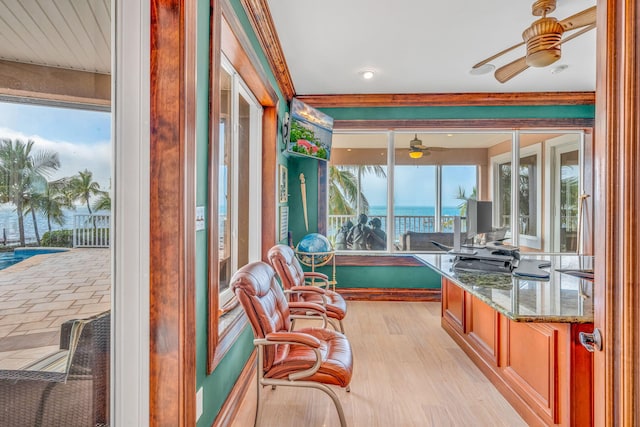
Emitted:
pixel 227 35
pixel 554 126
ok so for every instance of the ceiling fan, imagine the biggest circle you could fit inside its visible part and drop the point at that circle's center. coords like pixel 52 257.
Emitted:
pixel 543 39
pixel 417 150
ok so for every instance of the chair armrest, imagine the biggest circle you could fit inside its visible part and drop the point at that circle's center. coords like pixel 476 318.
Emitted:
pixel 313 277
pixel 306 306
pixel 316 275
pixel 299 338
pixel 308 289
pixel 293 338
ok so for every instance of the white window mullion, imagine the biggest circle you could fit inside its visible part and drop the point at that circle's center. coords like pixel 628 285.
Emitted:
pixel 515 188
pixel 438 216
pixel 390 223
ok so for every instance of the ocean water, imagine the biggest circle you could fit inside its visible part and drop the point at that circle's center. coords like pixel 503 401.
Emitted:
pixel 9 223
pixel 413 211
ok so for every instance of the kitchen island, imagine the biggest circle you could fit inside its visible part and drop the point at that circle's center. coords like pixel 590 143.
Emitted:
pixel 523 334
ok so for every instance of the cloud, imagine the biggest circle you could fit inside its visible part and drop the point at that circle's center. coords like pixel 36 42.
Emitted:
pixel 95 157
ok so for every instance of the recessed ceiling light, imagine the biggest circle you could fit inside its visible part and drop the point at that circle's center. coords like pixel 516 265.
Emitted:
pixel 483 69
pixel 367 75
pixel 449 134
pixel 559 69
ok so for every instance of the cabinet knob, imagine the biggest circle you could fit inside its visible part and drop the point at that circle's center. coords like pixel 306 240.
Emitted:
pixel 591 342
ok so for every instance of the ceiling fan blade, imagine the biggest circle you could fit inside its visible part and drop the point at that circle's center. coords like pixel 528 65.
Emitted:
pixel 502 52
pixel 514 68
pixel 576 34
pixel 511 70
pixel 580 19
pixel 436 149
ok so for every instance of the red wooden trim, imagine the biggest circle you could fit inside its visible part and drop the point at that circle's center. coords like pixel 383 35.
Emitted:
pixel 269 186
pixel 389 294
pixel 467 124
pixel 172 213
pixel 449 99
pixel 213 270
pixel 231 406
pixel 379 261
pixel 323 208
pixel 262 23
pixel 616 202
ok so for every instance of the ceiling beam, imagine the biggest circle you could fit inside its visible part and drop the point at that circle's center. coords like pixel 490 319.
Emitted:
pixel 262 23
pixel 449 99
pixel 62 85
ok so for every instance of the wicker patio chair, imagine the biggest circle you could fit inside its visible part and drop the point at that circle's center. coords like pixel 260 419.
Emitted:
pixel 67 388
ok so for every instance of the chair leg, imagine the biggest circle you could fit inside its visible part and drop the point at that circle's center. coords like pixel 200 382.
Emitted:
pixel 336 402
pixel 258 414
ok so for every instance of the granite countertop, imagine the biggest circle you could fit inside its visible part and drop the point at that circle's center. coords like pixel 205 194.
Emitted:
pixel 560 299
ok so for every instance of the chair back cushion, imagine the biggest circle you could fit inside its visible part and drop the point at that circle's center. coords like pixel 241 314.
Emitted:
pixel 284 260
pixel 263 300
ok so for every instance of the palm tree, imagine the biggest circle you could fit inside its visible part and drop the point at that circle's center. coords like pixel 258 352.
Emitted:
pixel 103 203
pixel 82 188
pixel 20 171
pixel 56 197
pixel 463 196
pixel 345 189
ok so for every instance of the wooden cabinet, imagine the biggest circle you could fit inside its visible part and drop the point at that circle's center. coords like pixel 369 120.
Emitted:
pixel 539 367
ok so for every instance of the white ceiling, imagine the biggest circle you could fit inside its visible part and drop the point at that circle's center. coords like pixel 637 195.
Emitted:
pixel 420 46
pixel 70 34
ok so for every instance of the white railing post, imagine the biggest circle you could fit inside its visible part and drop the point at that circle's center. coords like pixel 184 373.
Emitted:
pixel 91 231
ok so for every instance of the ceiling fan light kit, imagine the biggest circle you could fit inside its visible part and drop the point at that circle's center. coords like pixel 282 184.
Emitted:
pixel 543 40
pixel 415 153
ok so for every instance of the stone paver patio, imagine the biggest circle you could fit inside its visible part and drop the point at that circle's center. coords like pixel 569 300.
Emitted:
pixel 40 293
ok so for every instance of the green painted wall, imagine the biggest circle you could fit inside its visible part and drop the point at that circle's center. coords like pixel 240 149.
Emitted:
pixel 467 112
pixel 384 277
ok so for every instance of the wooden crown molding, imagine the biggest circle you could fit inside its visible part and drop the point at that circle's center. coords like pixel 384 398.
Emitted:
pixel 262 23
pixel 449 99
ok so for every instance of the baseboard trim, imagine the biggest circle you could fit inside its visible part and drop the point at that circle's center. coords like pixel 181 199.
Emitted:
pixel 229 410
pixel 389 294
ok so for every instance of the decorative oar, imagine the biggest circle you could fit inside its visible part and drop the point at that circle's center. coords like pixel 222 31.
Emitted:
pixel 303 191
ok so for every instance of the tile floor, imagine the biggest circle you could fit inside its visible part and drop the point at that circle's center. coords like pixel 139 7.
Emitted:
pixel 40 293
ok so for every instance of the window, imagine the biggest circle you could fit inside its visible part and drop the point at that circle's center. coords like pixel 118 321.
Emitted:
pixel 429 176
pixel 239 175
pixel 358 192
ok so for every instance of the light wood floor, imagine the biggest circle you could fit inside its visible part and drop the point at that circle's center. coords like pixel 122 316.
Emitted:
pixel 407 372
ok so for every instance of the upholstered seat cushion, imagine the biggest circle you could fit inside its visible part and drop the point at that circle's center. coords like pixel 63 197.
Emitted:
pixel 337 360
pixel 336 305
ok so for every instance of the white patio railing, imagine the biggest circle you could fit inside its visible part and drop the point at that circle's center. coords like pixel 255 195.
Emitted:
pixel 401 223
pixel 91 231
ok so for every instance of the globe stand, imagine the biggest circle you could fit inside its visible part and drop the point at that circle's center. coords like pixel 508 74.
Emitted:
pixel 309 259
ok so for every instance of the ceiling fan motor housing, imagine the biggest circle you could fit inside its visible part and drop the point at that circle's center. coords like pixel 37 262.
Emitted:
pixel 543 40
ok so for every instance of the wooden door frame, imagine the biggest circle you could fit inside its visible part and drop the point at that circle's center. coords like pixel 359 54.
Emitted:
pixel 617 203
pixel 172 352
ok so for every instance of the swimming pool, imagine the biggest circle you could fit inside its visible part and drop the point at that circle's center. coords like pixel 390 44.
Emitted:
pixel 20 254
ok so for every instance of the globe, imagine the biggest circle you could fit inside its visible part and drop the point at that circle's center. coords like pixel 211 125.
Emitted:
pixel 311 244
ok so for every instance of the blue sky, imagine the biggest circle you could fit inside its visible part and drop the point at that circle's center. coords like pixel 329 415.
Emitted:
pixel 415 185
pixel 82 138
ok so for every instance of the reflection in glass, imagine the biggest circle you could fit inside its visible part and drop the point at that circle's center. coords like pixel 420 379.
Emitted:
pixel 224 182
pixel 569 188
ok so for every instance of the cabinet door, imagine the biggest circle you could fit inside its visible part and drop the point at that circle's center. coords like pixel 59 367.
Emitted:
pixel 453 304
pixel 482 328
pixel 531 365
